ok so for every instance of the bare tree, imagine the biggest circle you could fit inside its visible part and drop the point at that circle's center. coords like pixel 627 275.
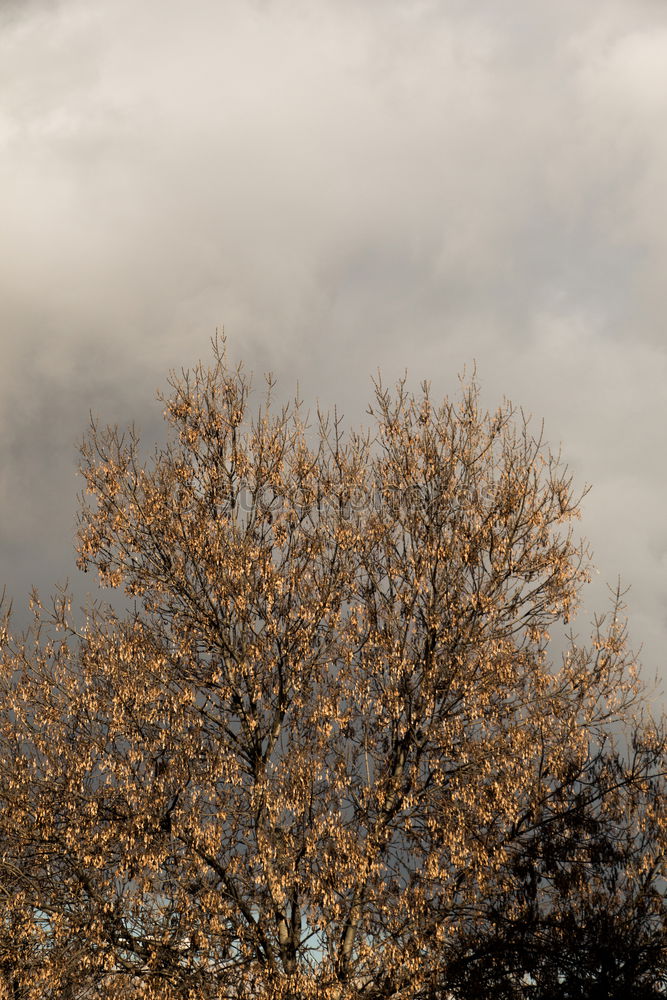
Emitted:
pixel 306 761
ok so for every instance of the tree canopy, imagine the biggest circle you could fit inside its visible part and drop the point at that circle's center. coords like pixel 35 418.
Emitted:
pixel 331 749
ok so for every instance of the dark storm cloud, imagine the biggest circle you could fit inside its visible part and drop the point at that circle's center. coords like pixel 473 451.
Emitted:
pixel 343 186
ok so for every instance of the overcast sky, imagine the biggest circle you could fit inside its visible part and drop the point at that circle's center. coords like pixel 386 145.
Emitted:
pixel 343 185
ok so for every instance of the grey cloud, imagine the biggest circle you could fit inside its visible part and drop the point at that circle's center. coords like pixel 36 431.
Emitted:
pixel 343 186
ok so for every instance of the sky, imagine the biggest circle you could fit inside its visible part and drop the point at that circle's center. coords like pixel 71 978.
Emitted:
pixel 343 186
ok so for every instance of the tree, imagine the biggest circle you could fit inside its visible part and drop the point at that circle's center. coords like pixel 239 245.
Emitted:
pixel 321 747
pixel 583 914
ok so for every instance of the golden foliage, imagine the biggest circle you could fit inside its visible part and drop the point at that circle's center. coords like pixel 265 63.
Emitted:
pixel 315 746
